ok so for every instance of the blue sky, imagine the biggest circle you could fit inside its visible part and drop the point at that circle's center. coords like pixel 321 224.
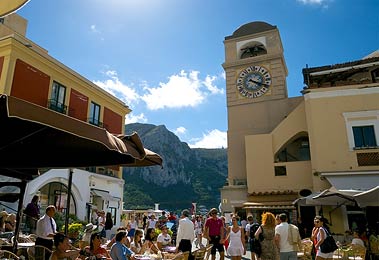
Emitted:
pixel 163 57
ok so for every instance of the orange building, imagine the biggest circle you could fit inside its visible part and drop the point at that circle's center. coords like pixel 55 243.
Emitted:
pixel 28 72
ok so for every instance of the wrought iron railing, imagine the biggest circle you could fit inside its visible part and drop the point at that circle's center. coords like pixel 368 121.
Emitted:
pixel 57 106
pixel 95 122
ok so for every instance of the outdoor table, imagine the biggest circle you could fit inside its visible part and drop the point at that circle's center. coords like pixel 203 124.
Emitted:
pixel 142 257
pixel 26 245
pixel 169 249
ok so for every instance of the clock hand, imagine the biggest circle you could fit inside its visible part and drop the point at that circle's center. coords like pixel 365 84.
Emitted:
pixel 257 82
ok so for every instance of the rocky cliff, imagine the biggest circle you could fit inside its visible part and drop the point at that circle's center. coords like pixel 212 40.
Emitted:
pixel 188 175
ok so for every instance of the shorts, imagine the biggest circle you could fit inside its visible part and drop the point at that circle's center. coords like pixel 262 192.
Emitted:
pixel 215 241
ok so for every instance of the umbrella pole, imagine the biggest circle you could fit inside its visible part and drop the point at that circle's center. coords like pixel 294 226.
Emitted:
pixel 70 172
pixel 18 216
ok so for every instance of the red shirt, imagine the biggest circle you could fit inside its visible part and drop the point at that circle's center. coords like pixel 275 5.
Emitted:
pixel 214 226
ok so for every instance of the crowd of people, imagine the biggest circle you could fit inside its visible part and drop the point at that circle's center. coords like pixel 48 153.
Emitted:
pixel 272 239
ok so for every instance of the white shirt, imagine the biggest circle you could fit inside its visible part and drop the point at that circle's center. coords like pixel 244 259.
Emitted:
pixel 152 223
pixel 44 227
pixel 133 224
pixel 282 230
pixel 244 223
pixel 358 241
pixel 164 239
pixel 185 231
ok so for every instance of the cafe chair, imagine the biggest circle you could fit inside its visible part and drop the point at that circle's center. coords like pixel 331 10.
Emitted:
pixel 357 252
pixel 180 256
pixel 199 254
pixel 208 249
pixel 305 252
pixel 37 252
pixel 8 255
pixel 32 237
pixel 338 254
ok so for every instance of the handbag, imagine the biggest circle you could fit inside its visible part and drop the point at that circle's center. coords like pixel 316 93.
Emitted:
pixel 256 244
pixel 329 244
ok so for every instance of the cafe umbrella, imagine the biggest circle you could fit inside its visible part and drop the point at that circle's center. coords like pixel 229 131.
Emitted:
pixel 34 137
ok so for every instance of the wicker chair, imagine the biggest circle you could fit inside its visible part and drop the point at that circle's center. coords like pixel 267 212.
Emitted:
pixel 358 252
pixel 8 254
pixel 306 249
pixel 38 252
pixel 199 254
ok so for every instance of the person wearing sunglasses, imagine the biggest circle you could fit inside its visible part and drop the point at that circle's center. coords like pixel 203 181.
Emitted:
pixel 214 232
pixel 137 246
pixel 318 236
pixel 163 239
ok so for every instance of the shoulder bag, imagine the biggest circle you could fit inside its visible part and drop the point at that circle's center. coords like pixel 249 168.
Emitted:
pixel 329 244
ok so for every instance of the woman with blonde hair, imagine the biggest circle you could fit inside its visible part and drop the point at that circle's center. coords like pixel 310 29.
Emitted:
pixel 267 232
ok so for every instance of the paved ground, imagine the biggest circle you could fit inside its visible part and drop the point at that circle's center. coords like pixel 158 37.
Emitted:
pixel 247 256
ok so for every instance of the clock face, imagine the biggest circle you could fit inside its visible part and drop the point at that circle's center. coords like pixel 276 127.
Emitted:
pixel 254 81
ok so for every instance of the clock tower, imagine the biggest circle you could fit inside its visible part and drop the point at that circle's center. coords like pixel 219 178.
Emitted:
pixel 256 98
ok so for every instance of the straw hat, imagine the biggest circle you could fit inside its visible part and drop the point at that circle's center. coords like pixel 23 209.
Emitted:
pixel 90 227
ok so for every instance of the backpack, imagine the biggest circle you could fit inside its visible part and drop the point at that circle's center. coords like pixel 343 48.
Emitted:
pixel 253 228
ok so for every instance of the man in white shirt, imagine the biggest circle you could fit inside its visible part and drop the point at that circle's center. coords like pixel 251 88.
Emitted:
pixel 186 234
pixel 287 250
pixel 46 229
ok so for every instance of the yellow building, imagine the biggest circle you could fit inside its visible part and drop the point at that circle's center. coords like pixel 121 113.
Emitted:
pixel 280 148
pixel 28 72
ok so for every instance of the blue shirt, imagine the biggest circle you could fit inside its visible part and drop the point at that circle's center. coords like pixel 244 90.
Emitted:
pixel 119 251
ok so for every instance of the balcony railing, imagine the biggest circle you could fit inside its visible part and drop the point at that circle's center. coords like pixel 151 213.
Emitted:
pixel 57 106
pixel 95 122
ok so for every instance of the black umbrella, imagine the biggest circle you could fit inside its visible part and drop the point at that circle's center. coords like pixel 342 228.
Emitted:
pixel 33 137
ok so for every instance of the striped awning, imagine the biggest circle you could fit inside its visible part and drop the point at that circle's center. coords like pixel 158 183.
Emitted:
pixel 269 205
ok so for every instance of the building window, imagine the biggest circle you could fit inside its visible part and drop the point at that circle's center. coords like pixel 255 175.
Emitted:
pixel 375 75
pixel 362 129
pixel 253 50
pixel 94 114
pixel 280 171
pixel 57 98
pixel 364 136
pixel 296 150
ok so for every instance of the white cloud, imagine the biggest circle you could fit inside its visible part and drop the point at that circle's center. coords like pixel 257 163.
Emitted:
pixel 212 88
pixel 118 89
pixel 213 139
pixel 129 118
pixel 180 130
pixel 94 29
pixel 323 3
pixel 181 90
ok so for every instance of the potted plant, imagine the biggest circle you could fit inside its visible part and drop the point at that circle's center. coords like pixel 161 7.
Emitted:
pixel 73 230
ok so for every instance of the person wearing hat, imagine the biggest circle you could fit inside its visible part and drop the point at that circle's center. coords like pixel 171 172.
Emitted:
pixel 214 232
pixel 89 228
pixel 186 234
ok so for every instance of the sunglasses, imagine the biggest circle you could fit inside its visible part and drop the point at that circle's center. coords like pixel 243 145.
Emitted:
pixel 214 213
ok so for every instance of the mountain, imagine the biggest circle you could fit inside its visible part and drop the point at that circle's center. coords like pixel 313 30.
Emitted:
pixel 188 175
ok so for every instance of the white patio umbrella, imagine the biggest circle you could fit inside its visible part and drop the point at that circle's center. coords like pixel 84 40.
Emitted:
pixel 368 198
